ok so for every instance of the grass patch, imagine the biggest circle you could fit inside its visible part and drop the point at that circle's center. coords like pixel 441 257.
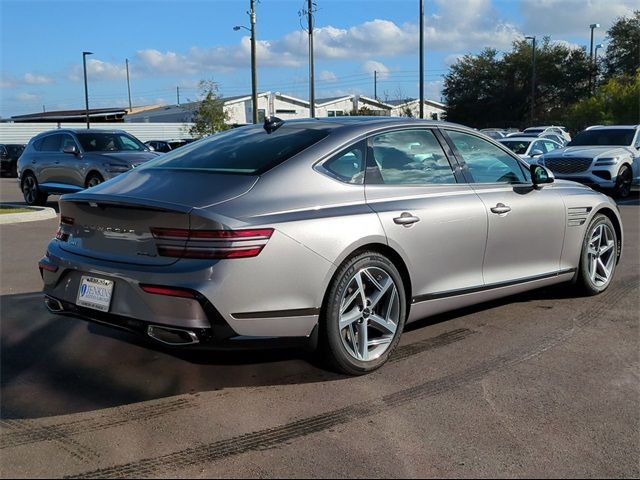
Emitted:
pixel 4 209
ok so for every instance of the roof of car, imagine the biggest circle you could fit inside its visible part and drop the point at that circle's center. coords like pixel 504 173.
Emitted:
pixel 82 130
pixel 610 127
pixel 518 139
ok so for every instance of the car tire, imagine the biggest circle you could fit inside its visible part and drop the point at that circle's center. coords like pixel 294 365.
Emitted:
pixel 623 182
pixel 93 180
pixel 599 256
pixel 31 191
pixel 363 314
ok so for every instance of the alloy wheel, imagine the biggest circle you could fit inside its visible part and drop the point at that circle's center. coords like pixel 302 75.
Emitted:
pixel 369 314
pixel 30 189
pixel 601 255
pixel 623 186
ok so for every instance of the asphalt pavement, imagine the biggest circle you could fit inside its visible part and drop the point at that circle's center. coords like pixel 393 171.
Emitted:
pixel 542 384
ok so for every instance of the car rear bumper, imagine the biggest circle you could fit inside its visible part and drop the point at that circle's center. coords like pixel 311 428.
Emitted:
pixel 226 306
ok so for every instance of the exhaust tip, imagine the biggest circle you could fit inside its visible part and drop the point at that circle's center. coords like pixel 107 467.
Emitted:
pixel 53 304
pixel 172 336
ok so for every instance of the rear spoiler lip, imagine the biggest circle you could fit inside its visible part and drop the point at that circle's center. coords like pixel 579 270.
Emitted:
pixel 125 201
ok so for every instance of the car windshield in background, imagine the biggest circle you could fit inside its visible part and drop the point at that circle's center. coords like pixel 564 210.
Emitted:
pixel 247 150
pixel 622 137
pixel 516 146
pixel 109 142
pixel 15 150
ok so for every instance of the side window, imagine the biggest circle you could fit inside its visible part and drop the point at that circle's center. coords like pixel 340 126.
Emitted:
pixel 3 151
pixel 539 145
pixel 51 143
pixel 68 141
pixel 348 165
pixel 486 162
pixel 128 144
pixel 550 146
pixel 408 157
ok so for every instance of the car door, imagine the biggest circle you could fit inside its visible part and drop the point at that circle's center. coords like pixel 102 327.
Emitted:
pixel 44 162
pixel 69 168
pixel 526 225
pixel 429 214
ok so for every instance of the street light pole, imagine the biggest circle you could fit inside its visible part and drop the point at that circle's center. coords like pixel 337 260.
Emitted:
pixel 533 78
pixel 593 26
pixel 421 58
pixel 128 84
pixel 254 74
pixel 312 96
pixel 86 89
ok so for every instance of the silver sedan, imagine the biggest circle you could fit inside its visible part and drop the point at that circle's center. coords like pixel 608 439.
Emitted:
pixel 334 233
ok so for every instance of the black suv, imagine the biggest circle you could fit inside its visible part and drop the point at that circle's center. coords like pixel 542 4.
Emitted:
pixel 9 154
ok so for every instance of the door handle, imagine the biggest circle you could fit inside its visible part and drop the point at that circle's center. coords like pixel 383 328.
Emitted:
pixel 406 219
pixel 501 209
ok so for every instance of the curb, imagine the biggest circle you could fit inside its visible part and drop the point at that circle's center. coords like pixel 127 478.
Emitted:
pixel 36 213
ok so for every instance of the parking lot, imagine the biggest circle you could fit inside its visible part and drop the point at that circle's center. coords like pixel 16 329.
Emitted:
pixel 537 385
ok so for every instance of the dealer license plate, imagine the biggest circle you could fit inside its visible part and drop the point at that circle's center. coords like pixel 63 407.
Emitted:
pixel 95 293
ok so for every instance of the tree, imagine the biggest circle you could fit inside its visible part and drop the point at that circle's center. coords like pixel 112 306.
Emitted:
pixel 488 90
pixel 623 49
pixel 210 116
pixel 616 102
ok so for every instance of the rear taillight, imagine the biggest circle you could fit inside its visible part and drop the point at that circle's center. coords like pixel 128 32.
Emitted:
pixel 168 291
pixel 211 244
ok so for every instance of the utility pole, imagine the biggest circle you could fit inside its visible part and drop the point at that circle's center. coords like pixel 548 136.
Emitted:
pixel 86 88
pixel 178 94
pixel 254 81
pixel 128 84
pixel 312 99
pixel 533 78
pixel 421 58
pixel 375 84
pixel 593 26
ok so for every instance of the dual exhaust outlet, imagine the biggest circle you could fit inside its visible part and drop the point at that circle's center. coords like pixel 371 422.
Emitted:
pixel 167 335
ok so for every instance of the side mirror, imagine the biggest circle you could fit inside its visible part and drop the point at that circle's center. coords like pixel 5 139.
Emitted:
pixel 540 175
pixel 536 153
pixel 72 149
pixel 151 149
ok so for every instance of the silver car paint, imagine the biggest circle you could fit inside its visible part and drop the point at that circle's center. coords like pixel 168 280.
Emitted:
pixel 319 222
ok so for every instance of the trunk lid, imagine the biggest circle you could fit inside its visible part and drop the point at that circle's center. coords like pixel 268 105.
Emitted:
pixel 113 221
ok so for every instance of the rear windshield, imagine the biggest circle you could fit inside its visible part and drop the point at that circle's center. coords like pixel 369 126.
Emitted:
pixel 15 150
pixel 516 146
pixel 246 150
pixel 610 136
pixel 110 142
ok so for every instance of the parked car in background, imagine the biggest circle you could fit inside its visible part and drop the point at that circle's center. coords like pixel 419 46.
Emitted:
pixel 528 148
pixel 553 129
pixel 556 138
pixel 605 157
pixel 366 223
pixel 9 155
pixel 164 146
pixel 70 160
pixel 493 133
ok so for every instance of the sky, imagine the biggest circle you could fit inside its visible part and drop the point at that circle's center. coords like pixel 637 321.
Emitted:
pixel 177 43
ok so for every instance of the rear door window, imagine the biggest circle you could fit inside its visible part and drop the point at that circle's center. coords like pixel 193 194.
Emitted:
pixel 51 143
pixel 407 157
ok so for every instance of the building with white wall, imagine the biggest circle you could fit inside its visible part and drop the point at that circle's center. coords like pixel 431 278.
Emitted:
pixel 432 110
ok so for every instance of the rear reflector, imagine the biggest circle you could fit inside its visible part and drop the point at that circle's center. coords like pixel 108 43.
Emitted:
pixel 168 291
pixel 211 244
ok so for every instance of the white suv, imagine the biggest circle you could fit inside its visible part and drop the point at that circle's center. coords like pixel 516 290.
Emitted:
pixel 606 157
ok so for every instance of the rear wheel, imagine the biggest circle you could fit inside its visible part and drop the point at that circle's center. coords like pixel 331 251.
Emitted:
pixel 623 182
pixel 31 191
pixel 599 256
pixel 364 314
pixel 93 180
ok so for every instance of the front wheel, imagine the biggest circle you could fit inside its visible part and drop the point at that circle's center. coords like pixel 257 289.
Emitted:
pixel 93 180
pixel 623 182
pixel 364 314
pixel 599 256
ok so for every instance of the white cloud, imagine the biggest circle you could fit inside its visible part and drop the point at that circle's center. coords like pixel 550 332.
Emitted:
pixel 572 17
pixel 433 90
pixel 26 97
pixel 99 70
pixel 453 58
pixel 35 79
pixel 327 76
pixel 8 81
pixel 371 66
